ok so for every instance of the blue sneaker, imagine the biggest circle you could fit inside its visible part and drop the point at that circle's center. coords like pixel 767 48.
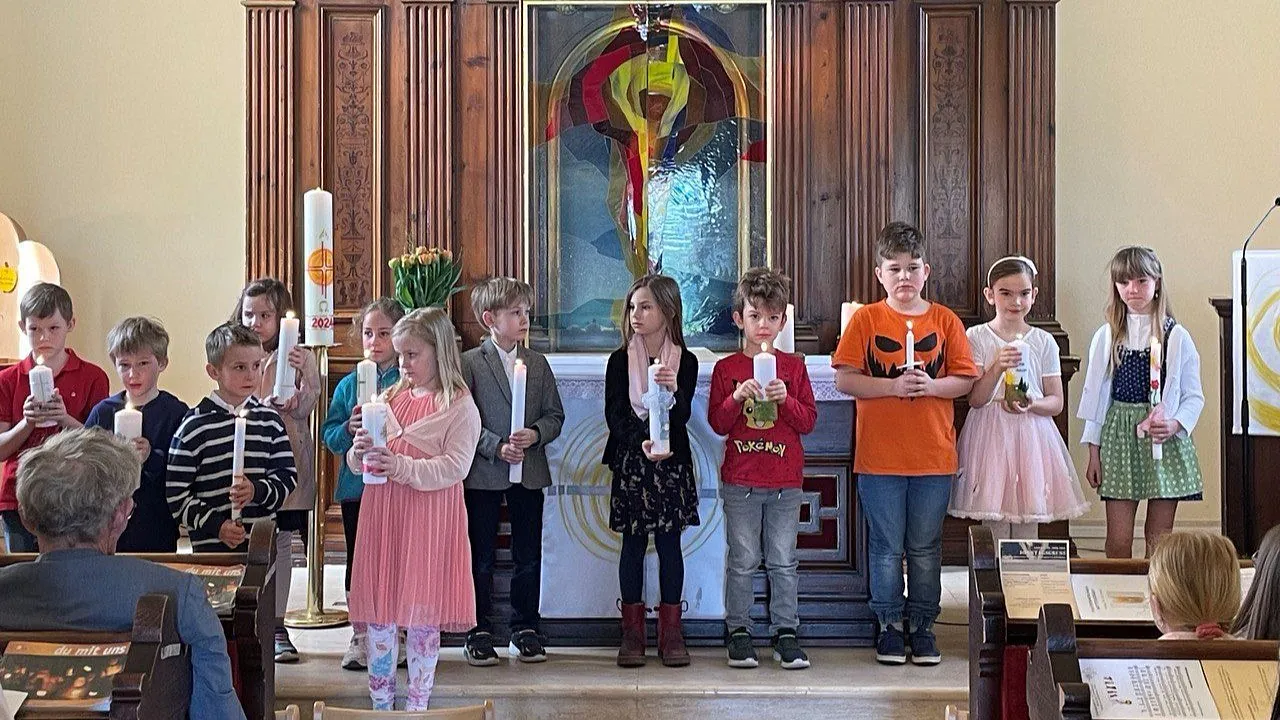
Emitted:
pixel 891 647
pixel 924 648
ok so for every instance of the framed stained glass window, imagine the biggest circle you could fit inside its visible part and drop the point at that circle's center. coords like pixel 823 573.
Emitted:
pixel 647 150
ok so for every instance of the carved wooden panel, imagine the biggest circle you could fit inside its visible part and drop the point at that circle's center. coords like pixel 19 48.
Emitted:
pixel 792 139
pixel 1031 108
pixel 506 160
pixel 269 166
pixel 353 102
pixel 429 182
pixel 949 178
pixel 826 515
pixel 869 49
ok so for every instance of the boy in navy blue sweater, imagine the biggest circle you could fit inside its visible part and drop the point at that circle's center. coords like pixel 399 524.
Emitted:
pixel 139 348
pixel 201 487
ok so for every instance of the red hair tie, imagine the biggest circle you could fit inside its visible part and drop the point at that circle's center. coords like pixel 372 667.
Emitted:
pixel 1209 630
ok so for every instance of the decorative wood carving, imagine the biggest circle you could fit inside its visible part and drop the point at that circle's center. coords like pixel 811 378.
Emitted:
pixel 269 124
pixel 1031 108
pixel 869 49
pixel 949 180
pixel 430 105
pixel 790 157
pixel 352 147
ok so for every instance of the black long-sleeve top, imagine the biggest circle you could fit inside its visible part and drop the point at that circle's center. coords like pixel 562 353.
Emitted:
pixel 626 429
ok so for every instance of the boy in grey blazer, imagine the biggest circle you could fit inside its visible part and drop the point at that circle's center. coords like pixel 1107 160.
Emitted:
pixel 502 306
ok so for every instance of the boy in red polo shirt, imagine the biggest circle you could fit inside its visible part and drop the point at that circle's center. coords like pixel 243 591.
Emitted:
pixel 46 317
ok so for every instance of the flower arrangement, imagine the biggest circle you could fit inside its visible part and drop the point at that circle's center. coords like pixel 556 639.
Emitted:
pixel 425 277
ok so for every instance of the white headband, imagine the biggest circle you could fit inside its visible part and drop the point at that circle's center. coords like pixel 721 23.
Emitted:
pixel 1020 258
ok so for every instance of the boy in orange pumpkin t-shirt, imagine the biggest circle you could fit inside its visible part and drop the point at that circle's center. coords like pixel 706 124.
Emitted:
pixel 905 446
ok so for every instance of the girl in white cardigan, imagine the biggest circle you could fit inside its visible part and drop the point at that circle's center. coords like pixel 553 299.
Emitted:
pixel 1120 424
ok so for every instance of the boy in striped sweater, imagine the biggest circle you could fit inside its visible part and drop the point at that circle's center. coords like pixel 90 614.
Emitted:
pixel 200 486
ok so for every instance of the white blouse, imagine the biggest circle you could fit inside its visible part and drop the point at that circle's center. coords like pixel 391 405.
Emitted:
pixel 1041 357
pixel 1182 394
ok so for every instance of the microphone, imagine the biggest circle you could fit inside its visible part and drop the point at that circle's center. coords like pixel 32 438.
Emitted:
pixel 1246 443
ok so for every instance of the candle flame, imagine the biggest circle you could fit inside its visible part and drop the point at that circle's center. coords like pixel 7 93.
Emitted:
pixel 128 405
pixel 39 359
pixel 244 413
pixel 289 315
pixel 764 347
pixel 519 362
pixel 1018 336
pixel 367 353
pixel 910 325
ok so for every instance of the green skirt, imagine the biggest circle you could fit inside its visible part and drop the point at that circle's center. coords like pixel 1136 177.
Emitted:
pixel 1128 470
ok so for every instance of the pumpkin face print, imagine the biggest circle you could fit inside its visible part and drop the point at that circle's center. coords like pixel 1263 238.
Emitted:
pixel 886 356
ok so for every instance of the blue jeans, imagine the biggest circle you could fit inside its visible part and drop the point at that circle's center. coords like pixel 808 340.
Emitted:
pixel 20 540
pixel 905 513
pixel 751 514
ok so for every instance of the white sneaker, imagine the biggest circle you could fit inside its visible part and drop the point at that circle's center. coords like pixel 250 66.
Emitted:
pixel 356 657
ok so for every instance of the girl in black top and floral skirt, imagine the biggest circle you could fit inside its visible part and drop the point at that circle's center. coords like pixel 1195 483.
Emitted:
pixel 653 491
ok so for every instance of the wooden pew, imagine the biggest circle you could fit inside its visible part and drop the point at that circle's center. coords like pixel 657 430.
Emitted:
pixel 249 625
pixel 1055 688
pixel 998 645
pixel 155 683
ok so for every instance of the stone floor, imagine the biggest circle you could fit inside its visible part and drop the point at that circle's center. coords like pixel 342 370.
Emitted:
pixel 585 682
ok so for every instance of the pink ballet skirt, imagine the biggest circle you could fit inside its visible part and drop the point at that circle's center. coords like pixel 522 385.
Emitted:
pixel 412 565
pixel 1014 468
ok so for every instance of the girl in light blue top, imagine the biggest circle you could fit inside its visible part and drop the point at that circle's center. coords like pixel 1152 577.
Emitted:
pixel 375 322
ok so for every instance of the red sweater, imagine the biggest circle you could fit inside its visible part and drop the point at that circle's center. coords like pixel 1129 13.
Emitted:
pixel 762 447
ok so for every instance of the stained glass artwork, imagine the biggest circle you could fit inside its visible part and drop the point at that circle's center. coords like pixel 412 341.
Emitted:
pixel 647 150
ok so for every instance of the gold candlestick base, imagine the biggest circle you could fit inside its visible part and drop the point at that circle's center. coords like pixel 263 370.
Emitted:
pixel 315 616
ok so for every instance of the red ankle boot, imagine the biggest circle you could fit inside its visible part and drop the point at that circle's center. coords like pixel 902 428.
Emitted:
pixel 631 652
pixel 671 649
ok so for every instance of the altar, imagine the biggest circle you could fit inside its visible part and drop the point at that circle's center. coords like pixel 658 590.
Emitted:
pixel 580 552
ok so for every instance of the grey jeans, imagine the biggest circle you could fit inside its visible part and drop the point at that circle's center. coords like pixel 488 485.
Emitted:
pixel 761 524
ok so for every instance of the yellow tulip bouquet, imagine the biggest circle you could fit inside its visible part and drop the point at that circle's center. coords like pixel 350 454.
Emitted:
pixel 426 277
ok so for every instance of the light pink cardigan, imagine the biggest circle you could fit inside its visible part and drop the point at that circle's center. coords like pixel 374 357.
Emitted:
pixel 448 437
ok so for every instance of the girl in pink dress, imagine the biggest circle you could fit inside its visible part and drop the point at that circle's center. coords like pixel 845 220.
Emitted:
pixel 412 566
pixel 1015 469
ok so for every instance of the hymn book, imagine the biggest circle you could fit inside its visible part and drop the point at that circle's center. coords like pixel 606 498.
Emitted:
pixel 1035 573
pixel 220 582
pixel 1121 689
pixel 62 675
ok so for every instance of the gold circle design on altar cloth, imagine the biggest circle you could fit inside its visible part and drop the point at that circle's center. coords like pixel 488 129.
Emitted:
pixel 1262 411
pixel 320 266
pixel 584 511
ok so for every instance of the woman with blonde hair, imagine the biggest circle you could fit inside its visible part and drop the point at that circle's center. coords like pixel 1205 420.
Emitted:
pixel 1195 586
pixel 413 558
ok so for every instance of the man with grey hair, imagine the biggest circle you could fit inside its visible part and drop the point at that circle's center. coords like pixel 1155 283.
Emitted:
pixel 75 493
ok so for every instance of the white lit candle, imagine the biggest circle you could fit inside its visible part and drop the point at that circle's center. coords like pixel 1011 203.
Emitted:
pixel 129 422
pixel 658 429
pixel 285 373
pixel 786 340
pixel 237 456
pixel 847 309
pixel 911 345
pixel 519 379
pixel 1157 450
pixel 366 379
pixel 765 367
pixel 317 237
pixel 373 418
pixel 41 381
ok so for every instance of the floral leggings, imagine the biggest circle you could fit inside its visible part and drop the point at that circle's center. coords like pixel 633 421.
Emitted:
pixel 424 651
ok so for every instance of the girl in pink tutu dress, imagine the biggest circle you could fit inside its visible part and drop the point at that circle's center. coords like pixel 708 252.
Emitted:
pixel 412 566
pixel 1015 470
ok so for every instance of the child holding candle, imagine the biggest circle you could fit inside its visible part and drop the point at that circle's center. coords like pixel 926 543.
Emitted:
pixel 368 380
pixel 202 487
pixel 260 308
pixel 1015 469
pixel 46 317
pixel 763 468
pixel 1116 404
pixel 510 464
pixel 139 349
pixel 905 452
pixel 413 560
pixel 651 493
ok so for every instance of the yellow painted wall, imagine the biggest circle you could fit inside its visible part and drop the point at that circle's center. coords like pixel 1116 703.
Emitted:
pixel 1166 136
pixel 129 171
